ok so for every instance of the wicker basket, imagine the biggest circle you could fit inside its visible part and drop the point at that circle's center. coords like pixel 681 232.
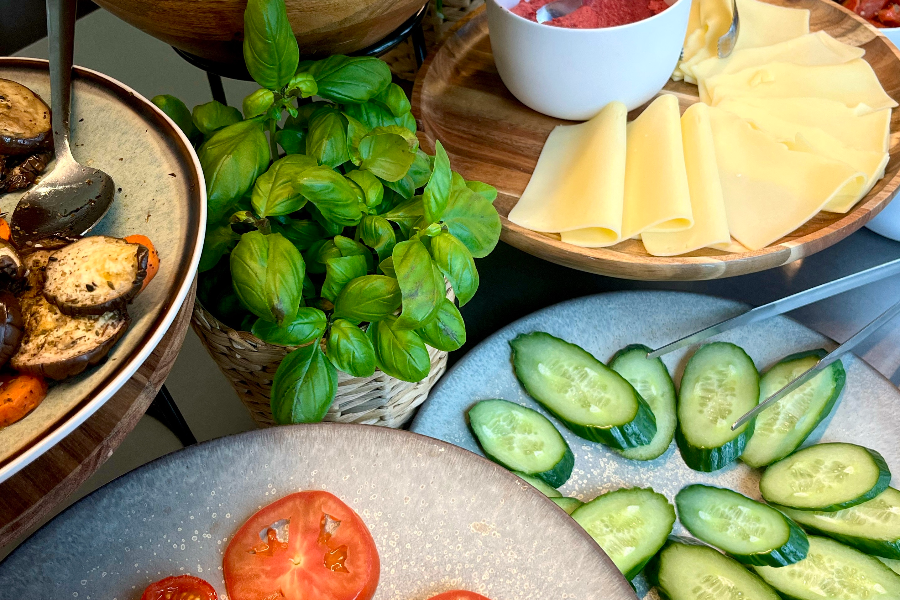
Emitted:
pixel 402 60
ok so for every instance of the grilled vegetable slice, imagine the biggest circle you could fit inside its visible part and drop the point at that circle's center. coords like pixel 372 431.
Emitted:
pixel 569 505
pixel 651 379
pixel 689 571
pixel 95 275
pixel 11 327
pixel 750 531
pixel 540 485
pixel 720 384
pixel 24 120
pixel 826 477
pixel 784 426
pixel 833 570
pixel 630 524
pixel 873 526
pixel 11 265
pixel 19 395
pixel 522 440
pixel 591 399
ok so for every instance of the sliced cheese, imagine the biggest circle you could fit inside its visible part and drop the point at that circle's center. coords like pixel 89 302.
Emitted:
pixel 812 49
pixel 694 39
pixel 770 190
pixel 579 179
pixel 710 227
pixel 859 128
pixel 851 83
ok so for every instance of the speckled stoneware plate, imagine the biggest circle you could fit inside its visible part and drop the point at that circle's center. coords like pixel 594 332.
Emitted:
pixel 869 411
pixel 160 193
pixel 442 518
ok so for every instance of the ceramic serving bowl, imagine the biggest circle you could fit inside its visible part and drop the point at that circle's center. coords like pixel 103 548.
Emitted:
pixel 573 73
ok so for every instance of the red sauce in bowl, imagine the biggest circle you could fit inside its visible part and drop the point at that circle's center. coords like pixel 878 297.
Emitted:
pixel 596 13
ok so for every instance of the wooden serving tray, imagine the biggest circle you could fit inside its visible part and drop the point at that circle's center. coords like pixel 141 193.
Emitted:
pixel 490 136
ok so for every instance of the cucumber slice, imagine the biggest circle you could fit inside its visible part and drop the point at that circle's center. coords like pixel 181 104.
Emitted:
pixel 833 570
pixel 540 484
pixel 826 477
pixel 652 381
pixel 592 400
pixel 690 571
pixel 522 440
pixel 720 384
pixel 784 426
pixel 630 524
pixel 751 532
pixel 893 565
pixel 873 526
pixel 569 505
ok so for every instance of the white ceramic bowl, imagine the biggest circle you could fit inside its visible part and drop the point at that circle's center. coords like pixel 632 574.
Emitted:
pixel 887 223
pixel 573 73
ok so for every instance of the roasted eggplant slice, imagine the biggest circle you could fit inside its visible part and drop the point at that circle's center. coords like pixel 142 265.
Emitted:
pixel 11 327
pixel 95 275
pixel 11 265
pixel 25 173
pixel 24 120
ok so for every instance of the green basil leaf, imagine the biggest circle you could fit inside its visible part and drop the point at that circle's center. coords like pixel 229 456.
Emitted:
pixel 301 233
pixel 330 228
pixel 421 284
pixel 292 141
pixel 307 326
pixel 267 273
pixel 176 110
pixel 258 103
pixel 407 215
pixel 399 352
pixel 373 115
pixel 391 200
pixel 218 242
pixel 408 121
pixel 304 113
pixel 270 48
pixel 456 263
pixel 488 191
pixel 326 140
pixel 387 267
pixel 386 154
pixel 301 84
pixel 350 247
pixel 350 350
pixel 318 254
pixel 274 193
pixel 405 187
pixel 394 99
pixel 213 116
pixel 216 293
pixel 437 192
pixel 232 159
pixel 304 386
pixel 371 186
pixel 309 288
pixel 345 79
pixel 356 130
pixel 377 233
pixel 447 330
pixel 368 298
pixel 473 220
pixel 332 195
pixel 420 170
pixel 339 272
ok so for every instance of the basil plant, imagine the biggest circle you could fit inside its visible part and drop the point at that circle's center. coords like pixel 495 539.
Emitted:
pixel 329 229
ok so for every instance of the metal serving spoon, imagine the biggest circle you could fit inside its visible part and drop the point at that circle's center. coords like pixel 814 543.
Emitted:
pixel 560 8
pixel 72 198
pixel 727 41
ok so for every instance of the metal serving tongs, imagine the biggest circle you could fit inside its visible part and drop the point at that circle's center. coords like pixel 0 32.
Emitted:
pixel 787 304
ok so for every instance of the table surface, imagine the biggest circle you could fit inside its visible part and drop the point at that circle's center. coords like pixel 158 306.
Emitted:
pixel 35 491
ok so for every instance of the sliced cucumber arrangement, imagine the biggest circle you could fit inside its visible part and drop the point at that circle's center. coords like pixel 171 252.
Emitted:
pixel 689 571
pixel 826 477
pixel 833 570
pixel 873 526
pixel 631 525
pixel 569 505
pixel 540 484
pixel 651 379
pixel 592 400
pixel 784 426
pixel 893 565
pixel 522 439
pixel 750 531
pixel 720 384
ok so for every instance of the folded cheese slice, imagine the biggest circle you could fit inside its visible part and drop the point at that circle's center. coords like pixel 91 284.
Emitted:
pixel 770 190
pixel 851 83
pixel 579 179
pixel 859 128
pixel 710 227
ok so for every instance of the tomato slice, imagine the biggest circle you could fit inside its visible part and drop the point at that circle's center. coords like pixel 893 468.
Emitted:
pixel 304 546
pixel 181 587
pixel 459 595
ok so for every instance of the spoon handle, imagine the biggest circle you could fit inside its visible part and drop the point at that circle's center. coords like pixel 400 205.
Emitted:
pixel 61 34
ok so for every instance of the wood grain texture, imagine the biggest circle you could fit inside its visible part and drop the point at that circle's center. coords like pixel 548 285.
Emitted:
pixel 490 136
pixel 214 29
pixel 36 490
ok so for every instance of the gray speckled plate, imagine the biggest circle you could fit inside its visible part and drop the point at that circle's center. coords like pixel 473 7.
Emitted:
pixel 868 413
pixel 442 518
pixel 160 193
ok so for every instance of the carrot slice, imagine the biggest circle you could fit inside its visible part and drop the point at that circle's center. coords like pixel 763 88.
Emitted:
pixel 19 395
pixel 5 233
pixel 152 261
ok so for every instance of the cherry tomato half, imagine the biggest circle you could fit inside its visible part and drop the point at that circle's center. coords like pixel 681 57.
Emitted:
pixel 459 595
pixel 306 545
pixel 182 587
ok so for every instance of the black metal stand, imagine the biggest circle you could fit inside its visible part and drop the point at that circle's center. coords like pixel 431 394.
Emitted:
pixel 164 410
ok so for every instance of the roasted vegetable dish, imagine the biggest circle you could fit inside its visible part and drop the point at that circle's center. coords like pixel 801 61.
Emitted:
pixel 25 136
